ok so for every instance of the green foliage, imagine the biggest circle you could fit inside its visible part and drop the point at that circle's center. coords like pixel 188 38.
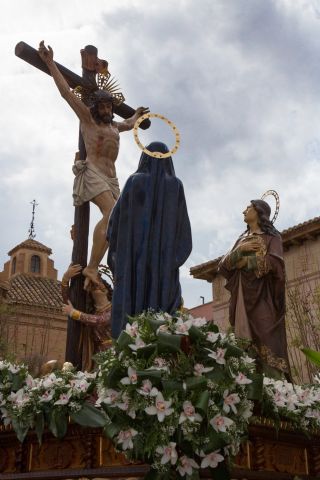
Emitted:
pixel 312 355
pixel 89 416
pixel 189 368
pixel 58 422
pixel 168 383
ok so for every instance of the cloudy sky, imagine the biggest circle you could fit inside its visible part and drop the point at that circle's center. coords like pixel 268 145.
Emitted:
pixel 240 78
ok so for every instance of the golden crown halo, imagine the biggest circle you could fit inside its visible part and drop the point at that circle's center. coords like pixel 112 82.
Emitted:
pixel 168 122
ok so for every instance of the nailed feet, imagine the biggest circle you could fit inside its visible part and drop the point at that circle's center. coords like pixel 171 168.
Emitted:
pixel 92 277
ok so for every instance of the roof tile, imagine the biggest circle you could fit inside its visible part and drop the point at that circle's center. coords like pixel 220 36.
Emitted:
pixel 32 245
pixel 35 291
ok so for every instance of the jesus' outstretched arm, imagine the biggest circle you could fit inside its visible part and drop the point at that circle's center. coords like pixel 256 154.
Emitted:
pixel 128 124
pixel 46 54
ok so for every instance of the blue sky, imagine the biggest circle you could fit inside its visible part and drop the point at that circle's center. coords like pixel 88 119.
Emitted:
pixel 240 78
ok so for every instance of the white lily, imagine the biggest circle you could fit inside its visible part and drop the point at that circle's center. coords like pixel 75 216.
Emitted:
pixel 47 396
pixel 161 408
pixel 63 399
pixel 132 329
pixel 211 459
pixel 220 423
pixel 199 322
pixel 125 406
pixel 230 401
pixel 186 465
pixel 182 327
pixel 147 389
pixel 218 356
pixel 241 379
pixel 108 396
pixel 189 413
pixel 19 398
pixel 199 369
pixel 169 453
pixel 139 343
pixel 131 378
pixel 213 337
pixel 125 438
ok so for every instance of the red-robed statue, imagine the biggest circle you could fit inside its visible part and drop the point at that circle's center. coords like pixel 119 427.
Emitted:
pixel 255 273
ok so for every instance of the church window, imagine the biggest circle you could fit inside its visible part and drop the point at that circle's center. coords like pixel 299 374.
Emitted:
pixel 35 264
pixel 14 265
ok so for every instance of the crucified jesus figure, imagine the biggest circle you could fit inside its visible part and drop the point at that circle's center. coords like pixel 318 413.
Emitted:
pixel 95 179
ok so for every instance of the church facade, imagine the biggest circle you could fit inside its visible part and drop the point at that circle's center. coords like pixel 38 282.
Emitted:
pixel 32 327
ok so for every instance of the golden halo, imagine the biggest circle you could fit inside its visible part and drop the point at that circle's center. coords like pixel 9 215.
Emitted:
pixel 274 194
pixel 168 122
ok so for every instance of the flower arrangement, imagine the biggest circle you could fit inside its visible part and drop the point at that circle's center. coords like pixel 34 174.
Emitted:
pixel 178 394
pixel 27 402
pixel 172 392
pixel 298 404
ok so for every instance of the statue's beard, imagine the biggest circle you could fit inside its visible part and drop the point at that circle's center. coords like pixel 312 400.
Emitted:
pixel 106 119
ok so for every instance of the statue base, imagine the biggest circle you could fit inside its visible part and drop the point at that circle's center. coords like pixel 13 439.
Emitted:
pixel 85 453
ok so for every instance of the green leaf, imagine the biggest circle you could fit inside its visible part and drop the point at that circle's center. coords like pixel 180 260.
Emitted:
pixel 213 328
pixel 155 324
pixel 147 351
pixel 217 440
pixel 20 428
pixel 217 375
pixel 89 416
pixel 153 375
pixel 124 339
pixel 193 383
pixel 115 374
pixel 233 351
pixel 171 386
pixel 139 448
pixel 195 333
pixel 312 355
pixel 39 426
pixel 255 389
pixel 17 382
pixel 111 430
pixel 58 424
pixel 202 402
pixel 168 342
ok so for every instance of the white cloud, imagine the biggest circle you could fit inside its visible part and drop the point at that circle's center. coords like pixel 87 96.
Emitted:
pixel 239 78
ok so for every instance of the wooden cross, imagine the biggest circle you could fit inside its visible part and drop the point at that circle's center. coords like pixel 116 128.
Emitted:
pixel 82 214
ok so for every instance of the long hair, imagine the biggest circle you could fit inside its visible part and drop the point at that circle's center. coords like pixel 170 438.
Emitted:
pixel 263 210
pixel 90 305
pixel 108 288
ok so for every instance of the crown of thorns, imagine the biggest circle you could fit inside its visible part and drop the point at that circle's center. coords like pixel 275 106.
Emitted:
pixel 105 83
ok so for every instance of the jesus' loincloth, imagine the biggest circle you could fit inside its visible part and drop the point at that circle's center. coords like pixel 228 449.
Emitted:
pixel 90 182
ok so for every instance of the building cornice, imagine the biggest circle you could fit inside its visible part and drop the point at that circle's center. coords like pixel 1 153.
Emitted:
pixel 309 230
pixel 31 244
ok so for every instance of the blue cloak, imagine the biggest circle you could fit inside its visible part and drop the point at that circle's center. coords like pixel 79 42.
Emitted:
pixel 149 237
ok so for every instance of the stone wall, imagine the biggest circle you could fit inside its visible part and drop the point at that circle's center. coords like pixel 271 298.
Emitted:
pixel 35 334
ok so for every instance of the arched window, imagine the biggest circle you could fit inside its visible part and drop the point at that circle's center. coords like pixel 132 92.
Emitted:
pixel 35 264
pixel 14 265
